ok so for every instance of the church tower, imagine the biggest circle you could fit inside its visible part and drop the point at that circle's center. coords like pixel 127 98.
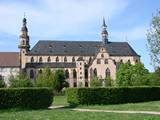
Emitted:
pixel 104 33
pixel 24 43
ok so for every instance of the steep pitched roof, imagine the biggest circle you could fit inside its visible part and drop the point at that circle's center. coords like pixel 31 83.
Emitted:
pixel 80 48
pixel 9 59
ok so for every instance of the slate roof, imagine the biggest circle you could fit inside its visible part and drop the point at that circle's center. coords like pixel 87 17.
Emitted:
pixel 80 48
pixel 9 59
pixel 52 65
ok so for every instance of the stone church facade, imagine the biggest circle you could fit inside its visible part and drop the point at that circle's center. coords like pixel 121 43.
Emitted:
pixel 80 60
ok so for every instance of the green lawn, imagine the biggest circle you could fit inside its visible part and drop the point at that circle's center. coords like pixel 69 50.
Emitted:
pixel 69 114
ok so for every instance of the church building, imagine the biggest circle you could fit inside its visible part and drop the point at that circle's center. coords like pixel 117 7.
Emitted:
pixel 80 60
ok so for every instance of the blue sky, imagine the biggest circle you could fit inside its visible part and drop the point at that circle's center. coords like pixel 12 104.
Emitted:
pixel 127 20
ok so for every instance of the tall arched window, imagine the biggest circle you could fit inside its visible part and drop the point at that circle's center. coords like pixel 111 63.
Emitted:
pixel 129 61
pixel 73 59
pixel 108 72
pixel 74 74
pixel 95 72
pixel 86 73
pixel 57 59
pixel 90 59
pixel 48 59
pixel 67 74
pixel 32 59
pixel 121 61
pixel 65 59
pixel 40 59
pixel 31 74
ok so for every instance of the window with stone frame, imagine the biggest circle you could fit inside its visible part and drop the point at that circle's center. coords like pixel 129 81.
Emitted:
pixel 73 59
pixel 98 61
pixel 102 55
pixel 107 72
pixel 106 61
pixel 40 59
pixel 65 59
pixel 95 72
pixel 32 59
pixel 57 59
pixel 48 59
pixel 66 74
pixel 74 74
pixel 31 74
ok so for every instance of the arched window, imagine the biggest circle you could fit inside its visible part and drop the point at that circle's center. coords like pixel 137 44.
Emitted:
pixel 57 59
pixel 66 74
pixel 121 61
pixel 98 61
pixel 49 59
pixel 136 61
pixel 129 61
pixel 32 59
pixel 40 59
pixel 73 59
pixel 90 59
pixel 1 78
pixel 86 73
pixel 74 74
pixel 108 72
pixel 95 72
pixel 31 74
pixel 65 59
pixel 106 61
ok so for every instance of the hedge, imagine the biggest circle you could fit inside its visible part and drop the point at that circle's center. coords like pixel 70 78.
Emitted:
pixel 26 97
pixel 113 95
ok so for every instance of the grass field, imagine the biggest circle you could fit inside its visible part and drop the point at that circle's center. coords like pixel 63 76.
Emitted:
pixel 69 114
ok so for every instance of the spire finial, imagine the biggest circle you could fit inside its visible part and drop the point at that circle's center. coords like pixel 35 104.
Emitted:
pixel 24 27
pixel 104 23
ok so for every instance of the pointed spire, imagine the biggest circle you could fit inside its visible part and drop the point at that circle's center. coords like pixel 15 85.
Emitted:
pixel 104 23
pixel 24 27
pixel 104 32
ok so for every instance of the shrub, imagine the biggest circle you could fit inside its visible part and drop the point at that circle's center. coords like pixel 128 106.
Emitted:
pixel 95 82
pixel 20 80
pixel 26 97
pixel 112 95
pixel 2 84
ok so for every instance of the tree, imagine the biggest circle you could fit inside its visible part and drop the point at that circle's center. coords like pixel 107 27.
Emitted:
pixel 132 75
pixel 2 83
pixel 20 80
pixel 108 82
pixel 123 75
pixel 48 78
pixel 95 82
pixel 153 38
pixel 59 80
pixel 45 79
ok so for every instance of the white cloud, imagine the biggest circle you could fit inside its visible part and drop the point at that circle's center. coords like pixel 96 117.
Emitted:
pixel 58 17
